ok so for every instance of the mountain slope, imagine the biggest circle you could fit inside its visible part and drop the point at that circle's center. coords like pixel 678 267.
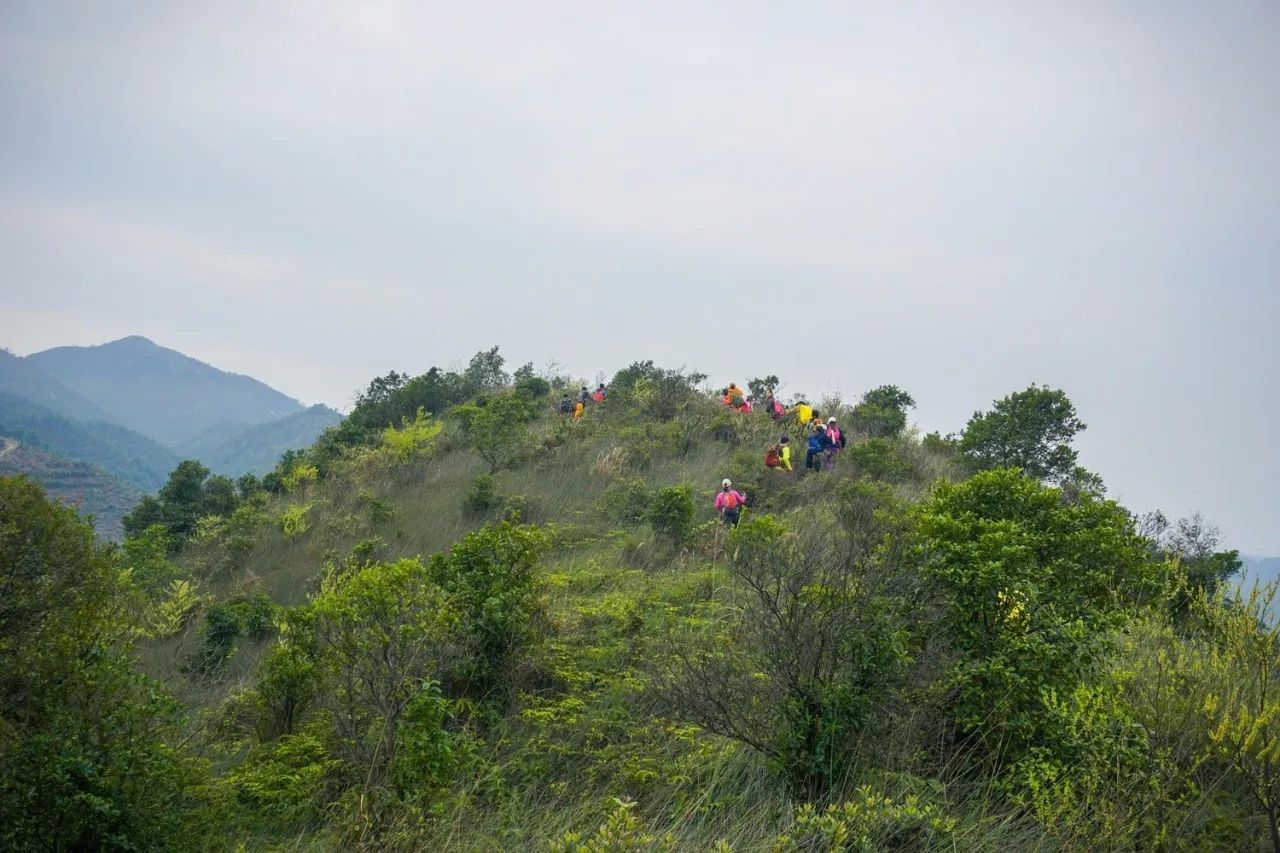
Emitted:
pixel 117 450
pixel 234 450
pixel 22 377
pixel 93 491
pixel 160 392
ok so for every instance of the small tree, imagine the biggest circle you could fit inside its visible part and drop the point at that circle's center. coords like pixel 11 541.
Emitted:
pixel 813 638
pixel 761 386
pixel 671 513
pixel 496 430
pixel 1244 714
pixel 882 412
pixel 1030 430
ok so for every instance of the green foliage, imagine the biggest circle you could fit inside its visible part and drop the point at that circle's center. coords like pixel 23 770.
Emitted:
pixel 224 624
pixel 1244 711
pixel 286 685
pixel 497 431
pixel 284 779
pixel 814 641
pixel 868 823
pixel 427 754
pixel 760 387
pixel 882 412
pixel 414 438
pixel 483 495
pixel 620 833
pixel 189 495
pixel 670 512
pixel 1030 430
pixel 89 749
pixel 626 501
pixel 1033 585
pixel 170 614
pixel 489 580
pixel 146 555
pixel 293 520
pixel 653 391
pixel 877 458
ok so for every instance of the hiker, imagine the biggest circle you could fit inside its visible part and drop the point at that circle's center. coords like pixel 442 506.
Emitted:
pixel 778 455
pixel 598 394
pixel 584 395
pixel 774 408
pixel 566 405
pixel 818 442
pixel 773 455
pixel 729 502
pixel 735 395
pixel 724 397
pixel 578 408
pixel 803 412
pixel 836 437
pixel 746 407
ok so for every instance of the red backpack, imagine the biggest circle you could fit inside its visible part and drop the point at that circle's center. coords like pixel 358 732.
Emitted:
pixel 731 499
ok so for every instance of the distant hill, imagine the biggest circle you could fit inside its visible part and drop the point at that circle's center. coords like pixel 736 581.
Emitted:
pixel 160 392
pixel 21 377
pixel 119 451
pixel 234 450
pixel 89 488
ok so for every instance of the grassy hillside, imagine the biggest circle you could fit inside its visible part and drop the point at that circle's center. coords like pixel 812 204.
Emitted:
pixel 495 627
pixel 160 392
pixel 238 449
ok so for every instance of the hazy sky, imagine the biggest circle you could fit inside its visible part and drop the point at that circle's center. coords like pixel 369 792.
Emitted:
pixel 960 198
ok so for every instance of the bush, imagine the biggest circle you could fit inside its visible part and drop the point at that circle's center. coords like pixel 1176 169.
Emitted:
pixel 626 501
pixel 482 496
pixel 293 521
pixel 1030 430
pixel 223 626
pixel 414 438
pixel 877 458
pixel 670 513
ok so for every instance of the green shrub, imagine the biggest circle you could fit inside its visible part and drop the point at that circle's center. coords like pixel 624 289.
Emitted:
pixel 482 496
pixel 626 501
pixel 670 513
pixel 878 458
pixel 869 823
pixel 224 624
pixel 293 521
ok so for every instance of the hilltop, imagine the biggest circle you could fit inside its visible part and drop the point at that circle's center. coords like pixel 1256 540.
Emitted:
pixel 160 392
pixel 463 620
pixel 131 410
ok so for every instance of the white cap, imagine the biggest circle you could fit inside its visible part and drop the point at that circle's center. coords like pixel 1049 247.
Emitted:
pixel 725 482
pixel 831 420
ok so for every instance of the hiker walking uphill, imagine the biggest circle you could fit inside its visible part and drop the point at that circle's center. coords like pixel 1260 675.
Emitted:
pixel 584 396
pixel 836 436
pixel 729 503
pixel 566 405
pixel 597 396
pixel 818 444
pixel 803 412
pixel 778 455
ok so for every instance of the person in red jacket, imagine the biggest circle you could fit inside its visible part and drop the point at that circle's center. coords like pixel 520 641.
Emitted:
pixel 729 501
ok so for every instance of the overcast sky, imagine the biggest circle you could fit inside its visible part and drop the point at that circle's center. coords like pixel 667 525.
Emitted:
pixel 960 198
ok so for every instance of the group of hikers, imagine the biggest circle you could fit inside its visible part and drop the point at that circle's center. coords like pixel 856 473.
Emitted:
pixel 585 398
pixel 823 439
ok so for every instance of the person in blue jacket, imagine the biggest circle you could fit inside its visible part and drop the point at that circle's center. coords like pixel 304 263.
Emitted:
pixel 818 443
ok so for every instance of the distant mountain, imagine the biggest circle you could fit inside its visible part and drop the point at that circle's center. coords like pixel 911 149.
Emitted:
pixel 117 450
pixel 21 377
pixel 160 392
pixel 93 491
pixel 235 450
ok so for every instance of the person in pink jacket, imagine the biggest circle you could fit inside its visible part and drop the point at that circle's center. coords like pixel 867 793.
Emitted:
pixel 729 502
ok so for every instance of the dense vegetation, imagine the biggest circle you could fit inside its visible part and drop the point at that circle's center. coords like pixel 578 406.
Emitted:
pixel 462 620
